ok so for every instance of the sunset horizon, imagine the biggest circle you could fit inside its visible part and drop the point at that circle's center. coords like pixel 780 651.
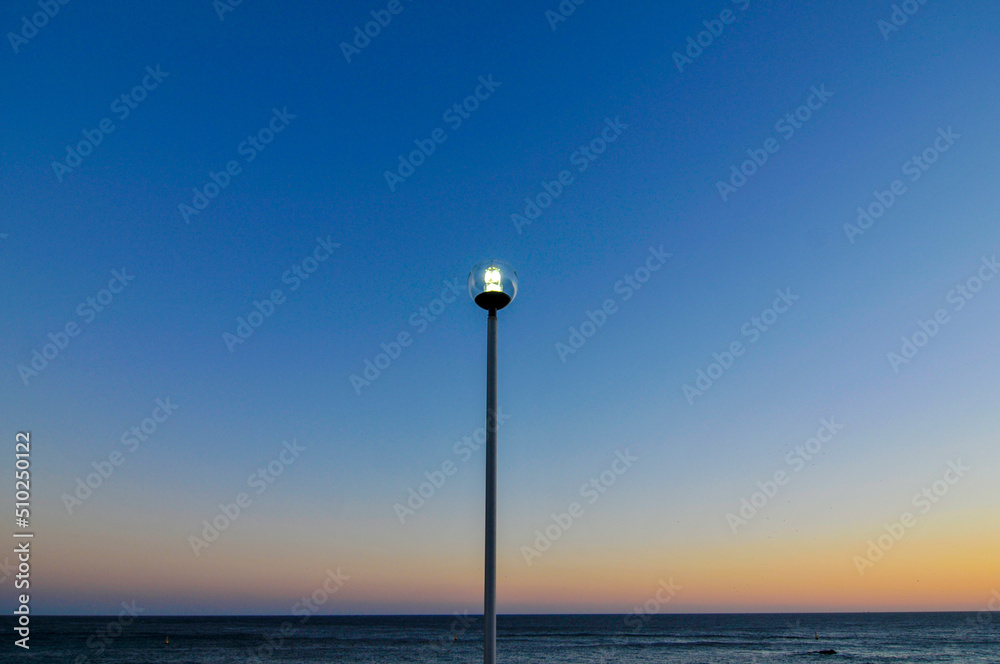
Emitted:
pixel 456 311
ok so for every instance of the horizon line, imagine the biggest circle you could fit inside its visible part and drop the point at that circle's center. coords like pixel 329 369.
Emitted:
pixel 479 615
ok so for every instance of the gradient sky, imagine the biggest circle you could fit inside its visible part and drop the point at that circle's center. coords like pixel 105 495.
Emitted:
pixel 655 186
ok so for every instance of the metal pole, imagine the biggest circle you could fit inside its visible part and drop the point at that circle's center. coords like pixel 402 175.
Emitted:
pixel 490 589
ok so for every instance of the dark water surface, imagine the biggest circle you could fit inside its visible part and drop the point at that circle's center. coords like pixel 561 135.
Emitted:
pixel 682 639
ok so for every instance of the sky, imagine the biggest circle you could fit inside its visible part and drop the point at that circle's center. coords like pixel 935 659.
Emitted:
pixel 752 355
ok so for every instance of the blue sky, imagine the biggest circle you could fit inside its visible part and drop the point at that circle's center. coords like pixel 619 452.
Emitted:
pixel 323 177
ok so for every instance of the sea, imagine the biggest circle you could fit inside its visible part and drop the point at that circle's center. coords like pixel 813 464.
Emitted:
pixel 911 638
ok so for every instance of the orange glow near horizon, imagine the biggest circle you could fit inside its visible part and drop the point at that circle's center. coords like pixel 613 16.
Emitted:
pixel 944 569
pixel 948 562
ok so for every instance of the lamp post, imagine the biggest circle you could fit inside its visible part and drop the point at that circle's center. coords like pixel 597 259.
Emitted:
pixel 492 285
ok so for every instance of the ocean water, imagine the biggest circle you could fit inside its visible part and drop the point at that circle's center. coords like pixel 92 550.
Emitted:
pixel 895 638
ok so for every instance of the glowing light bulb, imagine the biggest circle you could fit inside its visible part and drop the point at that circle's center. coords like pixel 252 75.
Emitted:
pixel 492 284
pixel 492 279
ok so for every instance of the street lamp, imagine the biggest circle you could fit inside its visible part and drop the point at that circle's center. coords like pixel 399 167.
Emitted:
pixel 492 285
